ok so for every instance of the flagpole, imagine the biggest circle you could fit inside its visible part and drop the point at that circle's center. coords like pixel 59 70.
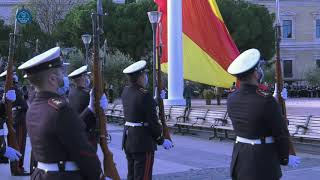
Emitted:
pixel 175 54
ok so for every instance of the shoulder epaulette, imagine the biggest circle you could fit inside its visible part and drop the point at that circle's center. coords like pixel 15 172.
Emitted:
pixel 263 92
pixel 143 90
pixel 57 103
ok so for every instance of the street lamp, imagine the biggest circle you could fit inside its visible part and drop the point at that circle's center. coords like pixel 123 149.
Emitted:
pixel 86 39
pixel 154 18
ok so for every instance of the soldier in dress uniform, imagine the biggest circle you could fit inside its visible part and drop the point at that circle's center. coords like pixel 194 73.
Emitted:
pixel 262 137
pixel 57 136
pixel 6 151
pixel 79 99
pixel 19 110
pixel 142 130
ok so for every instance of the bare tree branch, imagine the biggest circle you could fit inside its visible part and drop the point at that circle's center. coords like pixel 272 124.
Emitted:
pixel 48 13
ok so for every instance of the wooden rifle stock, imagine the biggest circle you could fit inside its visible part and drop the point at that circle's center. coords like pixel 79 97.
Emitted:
pixel 165 129
pixel 279 81
pixel 12 139
pixel 108 163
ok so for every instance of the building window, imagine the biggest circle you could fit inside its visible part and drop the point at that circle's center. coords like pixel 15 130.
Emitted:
pixel 287 29
pixel 318 63
pixel 318 28
pixel 287 68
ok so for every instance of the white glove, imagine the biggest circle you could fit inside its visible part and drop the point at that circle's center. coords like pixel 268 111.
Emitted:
pixel 284 92
pixel 12 154
pixel 167 144
pixel 163 94
pixel 15 78
pixel 294 161
pixel 10 95
pixel 103 102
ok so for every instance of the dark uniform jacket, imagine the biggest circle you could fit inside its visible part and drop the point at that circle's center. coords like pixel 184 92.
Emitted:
pixel 20 107
pixel 2 121
pixel 57 134
pixel 256 114
pixel 79 100
pixel 139 106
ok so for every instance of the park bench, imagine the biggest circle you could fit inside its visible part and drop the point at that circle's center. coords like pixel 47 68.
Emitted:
pixel 297 123
pixel 192 119
pixel 182 117
pixel 312 131
pixel 117 115
pixel 176 111
pixel 201 119
pixel 167 112
pixel 223 124
pixel 300 128
pixel 207 120
pixel 109 112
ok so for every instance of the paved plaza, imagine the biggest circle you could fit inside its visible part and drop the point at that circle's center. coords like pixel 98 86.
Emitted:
pixel 193 158
pixel 197 158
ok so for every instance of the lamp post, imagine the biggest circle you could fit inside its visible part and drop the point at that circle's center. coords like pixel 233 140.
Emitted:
pixel 154 18
pixel 86 39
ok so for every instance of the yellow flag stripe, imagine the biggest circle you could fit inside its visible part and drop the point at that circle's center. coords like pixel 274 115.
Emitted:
pixel 200 67
pixel 215 9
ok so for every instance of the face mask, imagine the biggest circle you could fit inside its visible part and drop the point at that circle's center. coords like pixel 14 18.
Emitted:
pixel 87 83
pixel 64 86
pixel 146 80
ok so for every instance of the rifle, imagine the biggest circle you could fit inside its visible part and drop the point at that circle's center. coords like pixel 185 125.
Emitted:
pixel 165 129
pixel 108 163
pixel 12 139
pixel 279 78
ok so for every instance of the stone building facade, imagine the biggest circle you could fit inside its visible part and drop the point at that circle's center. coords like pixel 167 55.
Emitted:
pixel 7 8
pixel 300 26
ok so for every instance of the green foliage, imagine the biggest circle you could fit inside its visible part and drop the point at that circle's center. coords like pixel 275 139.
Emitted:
pixel 250 25
pixel 25 43
pixel 313 76
pixel 208 94
pixel 127 27
pixel 76 59
pixel 269 73
pixel 115 63
pixel 26 48
pixel 4 38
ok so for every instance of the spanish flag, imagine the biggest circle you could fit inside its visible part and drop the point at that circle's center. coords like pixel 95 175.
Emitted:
pixel 208 48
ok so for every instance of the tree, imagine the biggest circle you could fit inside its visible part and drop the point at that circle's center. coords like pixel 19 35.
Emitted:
pixel 115 63
pixel 25 42
pixel 48 13
pixel 313 76
pixel 250 25
pixel 4 38
pixel 127 27
pixel 75 57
